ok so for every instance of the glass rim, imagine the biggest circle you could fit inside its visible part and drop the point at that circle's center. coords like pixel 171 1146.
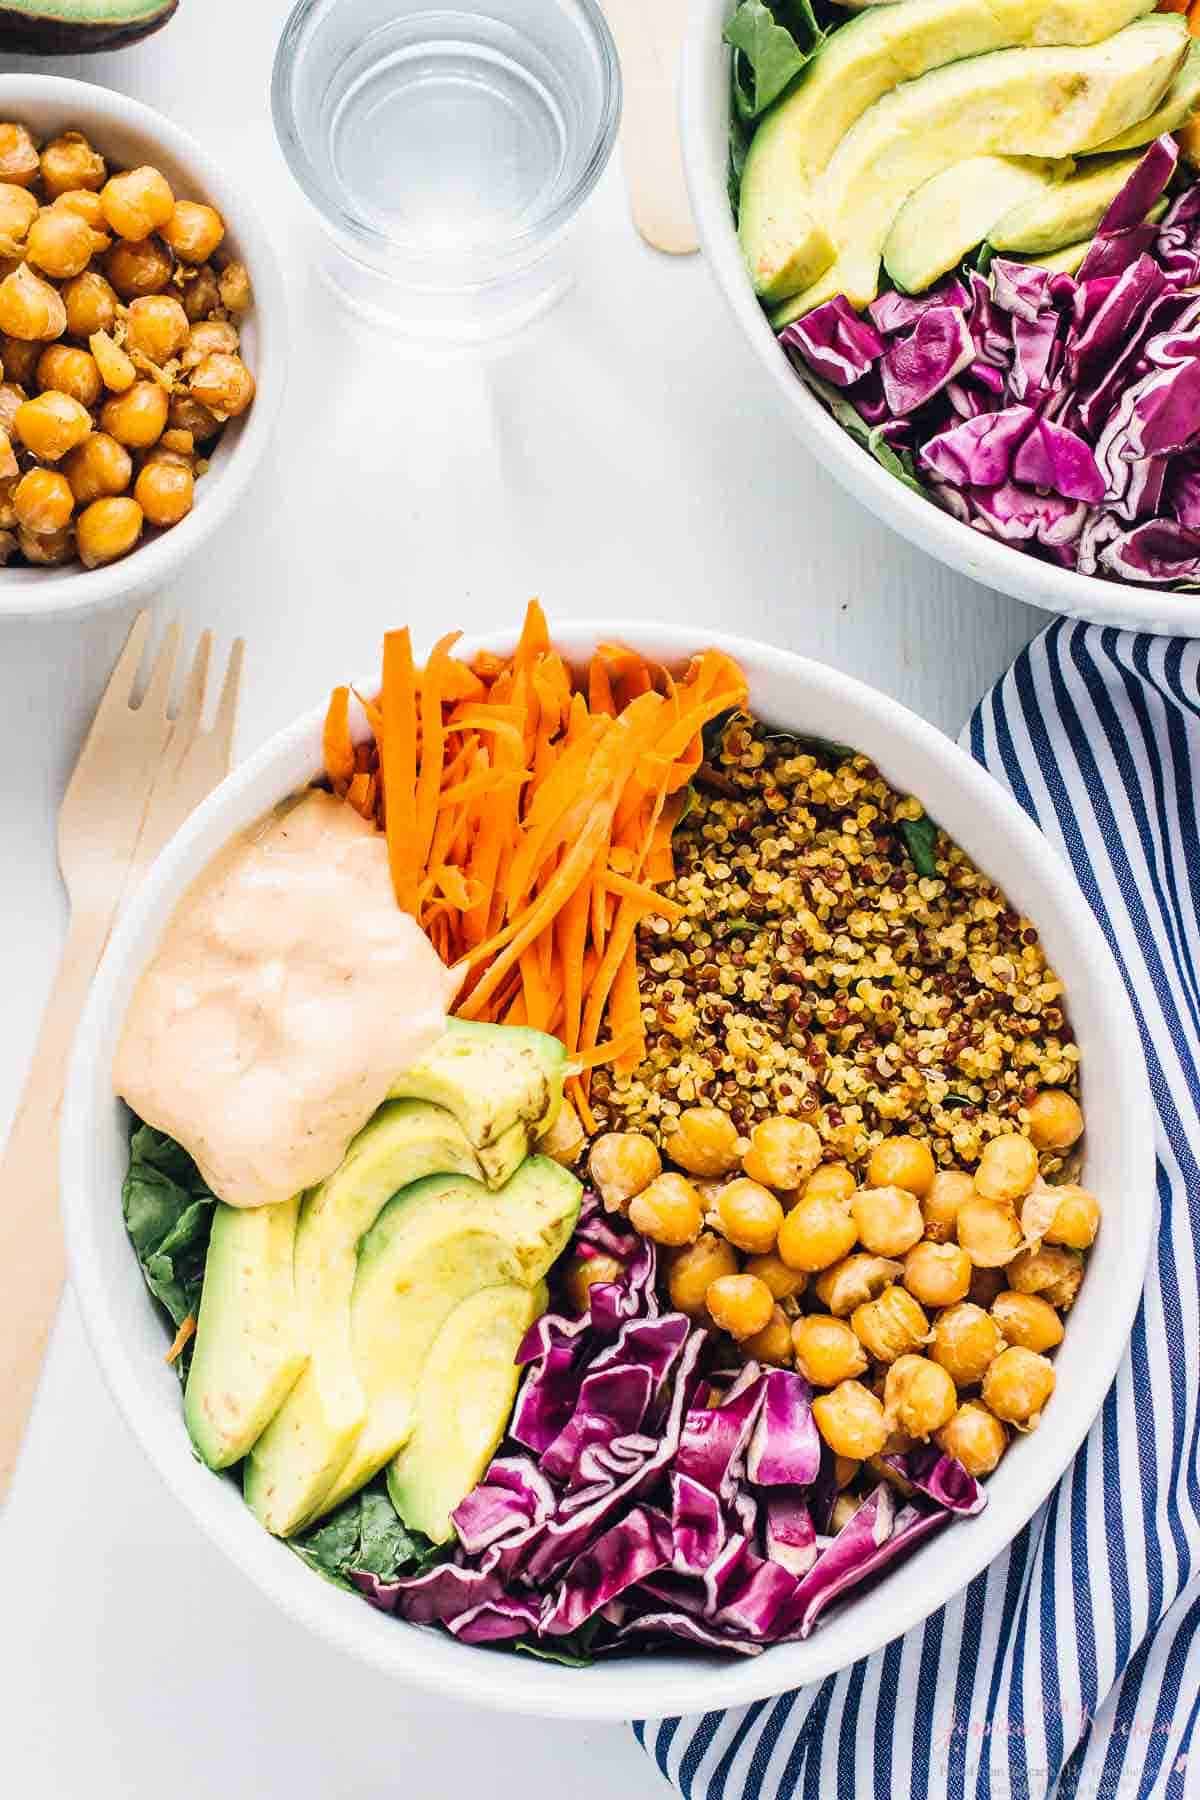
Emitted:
pixel 330 206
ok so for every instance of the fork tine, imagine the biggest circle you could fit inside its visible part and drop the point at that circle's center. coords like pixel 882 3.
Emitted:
pixel 120 683
pixel 158 688
pixel 191 706
pixel 226 719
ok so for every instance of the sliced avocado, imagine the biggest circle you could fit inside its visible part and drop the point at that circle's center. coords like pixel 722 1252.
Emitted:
pixel 1064 214
pixel 781 226
pixel 432 1247
pixel 1069 260
pixel 495 1079
pixel 464 1398
pixel 1043 102
pixel 946 217
pixel 69 27
pixel 249 1344
pixel 309 1439
pixel 1173 111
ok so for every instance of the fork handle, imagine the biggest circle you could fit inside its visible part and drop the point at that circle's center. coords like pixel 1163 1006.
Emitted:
pixel 31 1239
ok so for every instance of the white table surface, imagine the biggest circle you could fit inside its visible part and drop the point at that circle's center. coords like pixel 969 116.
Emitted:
pixel 620 458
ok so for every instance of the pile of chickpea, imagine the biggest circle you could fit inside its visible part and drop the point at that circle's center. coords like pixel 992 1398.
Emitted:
pixel 921 1303
pixel 119 350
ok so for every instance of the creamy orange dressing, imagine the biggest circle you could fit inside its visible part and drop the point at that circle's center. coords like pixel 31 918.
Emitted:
pixel 286 995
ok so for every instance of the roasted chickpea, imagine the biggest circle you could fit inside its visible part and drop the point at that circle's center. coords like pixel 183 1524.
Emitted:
pixel 223 384
pixel 750 1216
pixel 902 1162
pixel 985 1285
pixel 621 1164
pixel 51 424
pixel 939 1207
pixel 815 1234
pixel 740 1305
pixel 694 1269
pixel 1017 1386
pixel 69 371
pixel 193 230
pixel 1007 1169
pixel 186 414
pixel 18 210
pixel 233 284
pixel 989 1231
pixel 8 512
pixel 11 397
pixel 87 207
pixel 157 326
pixel 59 243
pixel 142 266
pixel 937 1274
pixel 137 417
pixel 138 202
pixel 166 492
pixel 975 1437
pixel 200 295
pixel 826 1350
pixel 19 162
pixel 918 1396
pixel 773 1344
pixel 70 162
pixel 888 1219
pixel 832 1181
pixel 1076 1219
pixel 43 501
pixel 1027 1320
pixel 783 1152
pixel 668 1211
pixel 219 335
pixel 586 1272
pixel 20 361
pixel 47 548
pixel 91 304
pixel 850 1419
pixel 854 1280
pixel 8 456
pixel 889 1326
pixel 116 368
pixel 1055 1120
pixel 565 1139
pixel 30 308
pixel 9 546
pixel 704 1140
pixel 181 442
pixel 966 1340
pixel 783 1282
pixel 1053 1272
pixel 107 529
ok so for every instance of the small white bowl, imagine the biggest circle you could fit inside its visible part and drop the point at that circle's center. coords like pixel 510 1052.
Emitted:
pixel 128 133
pixel 705 107
pixel 127 1331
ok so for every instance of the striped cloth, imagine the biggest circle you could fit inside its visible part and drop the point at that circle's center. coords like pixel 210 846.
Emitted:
pixel 1072 1665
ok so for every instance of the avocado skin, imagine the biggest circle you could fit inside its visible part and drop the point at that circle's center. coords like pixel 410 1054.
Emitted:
pixel 26 30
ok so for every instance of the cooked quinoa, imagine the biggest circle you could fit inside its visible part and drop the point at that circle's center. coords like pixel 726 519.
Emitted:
pixel 817 972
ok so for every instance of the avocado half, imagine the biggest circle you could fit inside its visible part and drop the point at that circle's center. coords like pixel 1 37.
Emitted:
pixel 73 27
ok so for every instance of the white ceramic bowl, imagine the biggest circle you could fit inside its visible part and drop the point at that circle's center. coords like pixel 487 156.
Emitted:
pixel 705 123
pixel 127 1332
pixel 128 133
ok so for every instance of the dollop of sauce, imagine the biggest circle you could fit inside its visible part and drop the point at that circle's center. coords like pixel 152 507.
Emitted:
pixel 286 995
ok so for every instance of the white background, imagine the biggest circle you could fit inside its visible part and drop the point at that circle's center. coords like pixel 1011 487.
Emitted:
pixel 621 458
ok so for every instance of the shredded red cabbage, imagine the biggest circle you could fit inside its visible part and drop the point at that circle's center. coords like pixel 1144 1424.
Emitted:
pixel 1058 413
pixel 647 1496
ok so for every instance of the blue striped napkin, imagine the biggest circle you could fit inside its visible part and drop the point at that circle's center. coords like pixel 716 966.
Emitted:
pixel 1071 1666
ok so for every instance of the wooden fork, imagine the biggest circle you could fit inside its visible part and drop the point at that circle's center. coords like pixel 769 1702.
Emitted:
pixel 139 775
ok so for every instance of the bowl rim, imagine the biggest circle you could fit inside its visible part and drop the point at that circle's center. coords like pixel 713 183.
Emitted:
pixel 75 590
pixel 998 565
pixel 636 1688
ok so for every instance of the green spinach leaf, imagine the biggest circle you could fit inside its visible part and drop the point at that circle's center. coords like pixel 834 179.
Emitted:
pixel 168 1210
pixel 897 462
pixel 573 1650
pixel 772 43
pixel 366 1535
pixel 920 840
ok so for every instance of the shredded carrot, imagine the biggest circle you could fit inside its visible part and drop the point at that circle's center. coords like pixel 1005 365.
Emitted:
pixel 183 1336
pixel 528 816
